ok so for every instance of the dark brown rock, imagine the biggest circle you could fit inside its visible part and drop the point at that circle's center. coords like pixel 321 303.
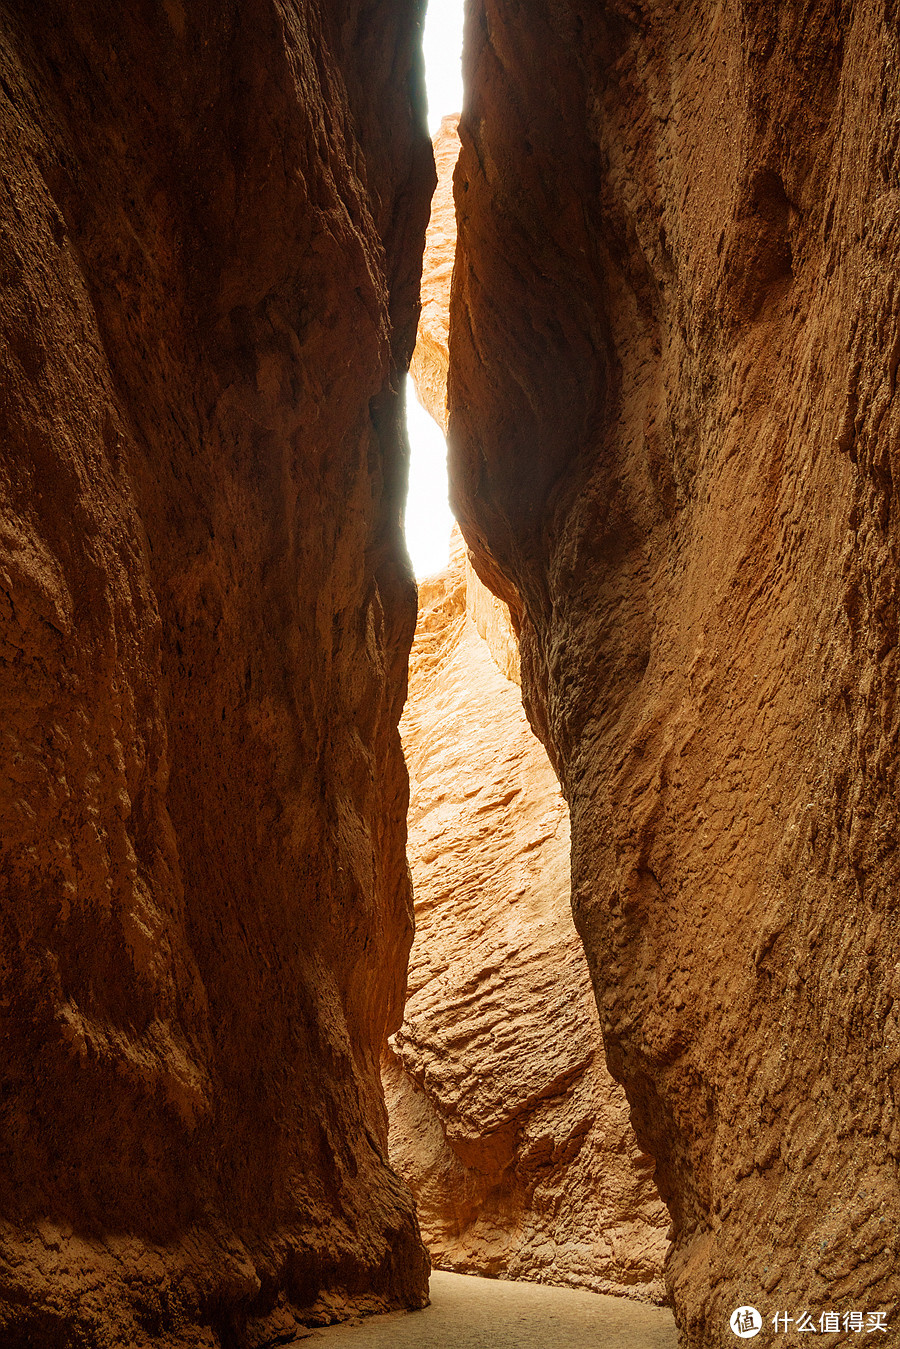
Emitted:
pixel 673 449
pixel 211 223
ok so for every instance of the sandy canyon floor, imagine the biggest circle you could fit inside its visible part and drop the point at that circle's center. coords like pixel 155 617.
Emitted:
pixel 471 1313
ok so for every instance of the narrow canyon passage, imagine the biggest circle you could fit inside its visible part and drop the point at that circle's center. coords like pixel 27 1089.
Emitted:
pixel 503 1118
pixel 669 383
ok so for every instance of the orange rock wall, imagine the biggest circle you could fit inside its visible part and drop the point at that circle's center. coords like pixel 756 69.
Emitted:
pixel 432 351
pixel 503 1117
pixel 673 352
pixel 493 622
pixel 208 292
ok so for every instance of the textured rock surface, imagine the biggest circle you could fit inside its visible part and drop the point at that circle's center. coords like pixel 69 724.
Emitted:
pixel 493 621
pixel 211 224
pixel 432 352
pixel 429 367
pixel 503 1117
pixel 674 436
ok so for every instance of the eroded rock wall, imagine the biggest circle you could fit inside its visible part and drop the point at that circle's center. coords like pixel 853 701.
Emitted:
pixel 429 367
pixel 432 351
pixel 674 432
pixel 212 219
pixel 503 1117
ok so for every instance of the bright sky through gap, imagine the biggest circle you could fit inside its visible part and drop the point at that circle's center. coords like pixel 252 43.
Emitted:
pixel 428 518
pixel 442 45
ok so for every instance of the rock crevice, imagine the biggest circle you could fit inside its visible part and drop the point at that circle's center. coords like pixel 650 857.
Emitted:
pixel 503 1118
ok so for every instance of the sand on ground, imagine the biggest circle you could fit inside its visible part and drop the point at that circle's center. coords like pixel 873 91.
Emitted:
pixel 472 1313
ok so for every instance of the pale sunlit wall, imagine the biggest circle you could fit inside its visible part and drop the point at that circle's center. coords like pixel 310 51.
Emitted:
pixel 428 518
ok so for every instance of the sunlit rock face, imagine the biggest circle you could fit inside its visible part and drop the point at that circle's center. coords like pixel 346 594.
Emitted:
pixel 674 443
pixel 432 350
pixel 503 1117
pixel 212 220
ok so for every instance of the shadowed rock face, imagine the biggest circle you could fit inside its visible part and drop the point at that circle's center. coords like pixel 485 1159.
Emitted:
pixel 212 220
pixel 503 1117
pixel 673 448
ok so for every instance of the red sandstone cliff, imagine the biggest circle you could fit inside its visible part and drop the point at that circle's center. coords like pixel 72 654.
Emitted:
pixel 211 227
pixel 674 436
pixel 503 1117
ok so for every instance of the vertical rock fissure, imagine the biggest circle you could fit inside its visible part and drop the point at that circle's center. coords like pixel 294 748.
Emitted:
pixel 502 1115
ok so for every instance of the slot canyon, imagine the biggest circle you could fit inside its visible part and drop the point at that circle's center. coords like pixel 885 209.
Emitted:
pixel 503 1119
pixel 654 691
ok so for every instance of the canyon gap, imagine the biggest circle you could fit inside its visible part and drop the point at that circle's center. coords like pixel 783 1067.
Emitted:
pixel 674 428
pixel 502 1116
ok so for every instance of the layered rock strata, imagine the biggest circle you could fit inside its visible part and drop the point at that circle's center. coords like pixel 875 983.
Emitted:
pixel 212 219
pixel 674 443
pixel 503 1117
